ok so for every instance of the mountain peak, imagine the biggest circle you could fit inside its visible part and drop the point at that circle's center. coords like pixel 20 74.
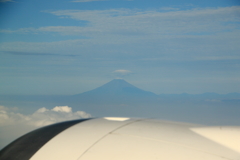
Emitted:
pixel 118 87
pixel 117 83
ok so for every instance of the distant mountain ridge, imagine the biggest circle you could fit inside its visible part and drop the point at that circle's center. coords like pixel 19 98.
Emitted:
pixel 122 99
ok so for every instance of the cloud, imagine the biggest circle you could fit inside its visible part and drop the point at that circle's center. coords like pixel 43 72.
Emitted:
pixel 87 0
pixel 121 73
pixel 29 53
pixel 201 33
pixel 3 1
pixel 217 58
pixel 144 22
pixel 41 117
pixel 169 9
pixel 14 125
pixel 37 54
pixel 62 109
pixel 182 21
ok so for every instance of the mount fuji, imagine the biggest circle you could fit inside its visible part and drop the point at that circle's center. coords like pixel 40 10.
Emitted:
pixel 118 87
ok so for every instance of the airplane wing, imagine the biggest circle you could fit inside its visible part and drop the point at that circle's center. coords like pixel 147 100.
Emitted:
pixel 113 138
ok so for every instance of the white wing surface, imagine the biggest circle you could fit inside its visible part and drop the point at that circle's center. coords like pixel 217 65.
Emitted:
pixel 113 138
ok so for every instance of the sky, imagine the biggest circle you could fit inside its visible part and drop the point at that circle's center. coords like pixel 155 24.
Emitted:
pixel 67 47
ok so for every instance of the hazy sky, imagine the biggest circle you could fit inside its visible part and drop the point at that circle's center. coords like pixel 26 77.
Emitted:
pixel 163 46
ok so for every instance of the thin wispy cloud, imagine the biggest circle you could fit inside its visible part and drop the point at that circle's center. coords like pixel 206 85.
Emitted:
pixel 121 21
pixel 140 25
pixel 169 9
pixel 37 54
pixel 214 46
pixel 217 58
pixel 87 0
pixel 121 73
pixel 3 1
pixel 179 22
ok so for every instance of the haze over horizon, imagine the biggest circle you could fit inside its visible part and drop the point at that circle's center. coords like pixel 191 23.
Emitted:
pixel 121 82
pixel 104 83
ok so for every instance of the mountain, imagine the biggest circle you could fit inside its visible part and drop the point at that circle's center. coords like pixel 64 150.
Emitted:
pixel 118 87
pixel 117 91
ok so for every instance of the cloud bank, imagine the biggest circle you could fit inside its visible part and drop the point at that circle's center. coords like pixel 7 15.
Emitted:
pixel 41 117
pixel 13 124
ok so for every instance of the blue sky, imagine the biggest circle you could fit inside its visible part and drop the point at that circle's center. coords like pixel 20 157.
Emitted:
pixel 68 47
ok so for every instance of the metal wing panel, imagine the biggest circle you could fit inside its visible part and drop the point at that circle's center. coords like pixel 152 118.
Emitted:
pixel 125 147
pixel 227 136
pixel 75 141
pixel 155 139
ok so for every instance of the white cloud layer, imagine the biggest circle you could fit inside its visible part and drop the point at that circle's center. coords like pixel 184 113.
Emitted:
pixel 41 117
pixel 14 125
